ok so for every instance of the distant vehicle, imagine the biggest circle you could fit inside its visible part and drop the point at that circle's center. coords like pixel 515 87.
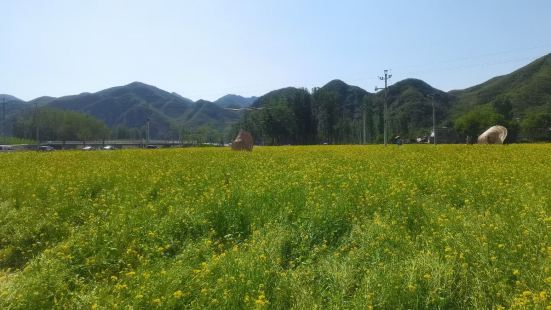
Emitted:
pixel 6 148
pixel 108 148
pixel 151 146
pixel 88 148
pixel 423 139
pixel 46 148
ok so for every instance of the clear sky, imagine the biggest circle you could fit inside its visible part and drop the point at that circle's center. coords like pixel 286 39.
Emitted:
pixel 206 49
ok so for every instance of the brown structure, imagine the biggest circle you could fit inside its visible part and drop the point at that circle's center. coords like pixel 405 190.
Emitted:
pixel 243 141
pixel 494 135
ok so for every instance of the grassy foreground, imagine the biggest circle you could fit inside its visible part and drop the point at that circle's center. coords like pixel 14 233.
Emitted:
pixel 290 227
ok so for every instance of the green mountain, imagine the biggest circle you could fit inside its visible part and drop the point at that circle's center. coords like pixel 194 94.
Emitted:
pixel 346 93
pixel 528 88
pixel 334 113
pixel 339 111
pixel 349 98
pixel 127 108
pixel 343 113
pixel 130 106
pixel 284 94
pixel 41 101
pixel 11 106
pixel 235 101
pixel 521 101
pixel 282 116
pixel 208 113
pixel 8 98
pixel 183 98
pixel 410 107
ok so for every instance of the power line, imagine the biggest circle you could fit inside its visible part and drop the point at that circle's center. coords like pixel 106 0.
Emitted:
pixel 479 56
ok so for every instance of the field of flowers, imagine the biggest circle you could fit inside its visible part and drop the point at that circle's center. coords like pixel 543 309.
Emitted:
pixel 416 226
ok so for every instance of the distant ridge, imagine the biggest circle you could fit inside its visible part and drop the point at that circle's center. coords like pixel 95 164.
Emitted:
pixel 132 104
pixel 235 101
pixel 6 98
pixel 528 90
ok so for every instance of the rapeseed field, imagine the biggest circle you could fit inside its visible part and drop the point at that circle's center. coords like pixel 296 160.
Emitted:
pixel 322 227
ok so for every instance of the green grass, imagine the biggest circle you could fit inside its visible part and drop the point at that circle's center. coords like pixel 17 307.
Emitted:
pixel 285 227
pixel 14 140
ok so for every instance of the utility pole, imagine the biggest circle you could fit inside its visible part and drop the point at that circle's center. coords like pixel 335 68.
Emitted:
pixel 3 117
pixel 147 130
pixel 433 121
pixel 364 120
pixel 431 96
pixel 36 124
pixel 385 116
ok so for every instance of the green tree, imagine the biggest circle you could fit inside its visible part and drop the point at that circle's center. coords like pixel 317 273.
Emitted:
pixel 536 126
pixel 473 123
pixel 61 125
pixel 503 106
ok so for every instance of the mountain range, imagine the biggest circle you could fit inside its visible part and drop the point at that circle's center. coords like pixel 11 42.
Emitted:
pixel 130 106
pixel 527 90
pixel 344 113
pixel 235 101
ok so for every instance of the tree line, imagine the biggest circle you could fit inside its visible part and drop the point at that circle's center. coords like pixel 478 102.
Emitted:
pixel 60 125
pixel 298 116
pixel 64 125
pixel 534 125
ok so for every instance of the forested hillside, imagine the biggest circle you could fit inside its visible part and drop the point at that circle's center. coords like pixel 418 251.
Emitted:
pixel 336 113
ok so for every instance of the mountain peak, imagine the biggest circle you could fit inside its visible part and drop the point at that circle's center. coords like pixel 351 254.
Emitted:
pixel 6 98
pixel 417 84
pixel 343 88
pixel 229 96
pixel 336 83
pixel 138 84
pixel 235 101
pixel 202 101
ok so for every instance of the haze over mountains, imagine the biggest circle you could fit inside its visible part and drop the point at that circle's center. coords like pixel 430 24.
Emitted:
pixel 334 112
pixel 4 97
pixel 131 105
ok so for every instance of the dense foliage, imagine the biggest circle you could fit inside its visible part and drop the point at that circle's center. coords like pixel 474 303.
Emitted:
pixel 338 113
pixel 7 140
pixel 60 125
pixel 289 227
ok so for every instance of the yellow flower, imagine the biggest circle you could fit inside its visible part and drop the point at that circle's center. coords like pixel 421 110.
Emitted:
pixel 261 300
pixel 178 294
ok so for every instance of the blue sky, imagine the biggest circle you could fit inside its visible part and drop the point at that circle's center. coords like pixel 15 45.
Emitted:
pixel 206 49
